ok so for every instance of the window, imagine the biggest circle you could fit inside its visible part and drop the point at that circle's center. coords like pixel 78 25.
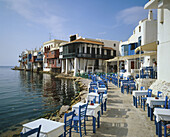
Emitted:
pixel 109 52
pixel 83 49
pixel 139 28
pixel 77 50
pixel 114 45
pixel 139 41
pixel 102 51
pixel 88 50
pixel 98 50
pixel 114 52
pixel 59 61
pixel 133 46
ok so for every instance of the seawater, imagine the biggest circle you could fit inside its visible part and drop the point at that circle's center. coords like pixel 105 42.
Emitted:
pixel 25 96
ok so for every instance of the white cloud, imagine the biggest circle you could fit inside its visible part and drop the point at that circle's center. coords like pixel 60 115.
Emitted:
pixel 132 15
pixel 39 13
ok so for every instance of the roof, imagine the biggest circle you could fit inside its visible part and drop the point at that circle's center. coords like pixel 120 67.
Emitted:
pixel 107 48
pixel 152 4
pixel 147 47
pixel 85 41
pixel 54 40
pixel 132 56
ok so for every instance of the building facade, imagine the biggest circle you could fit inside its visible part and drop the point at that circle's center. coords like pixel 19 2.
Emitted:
pixel 25 60
pixel 84 55
pixel 144 33
pixel 51 61
pixel 163 9
pixel 37 60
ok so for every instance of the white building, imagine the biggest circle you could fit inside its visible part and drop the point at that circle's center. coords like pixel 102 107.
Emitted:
pixel 144 33
pixel 163 51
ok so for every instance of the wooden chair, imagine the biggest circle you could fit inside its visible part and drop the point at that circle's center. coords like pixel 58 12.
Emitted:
pixel 32 131
pixel 68 118
pixel 80 119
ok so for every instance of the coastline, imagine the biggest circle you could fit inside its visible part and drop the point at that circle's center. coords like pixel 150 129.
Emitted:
pixel 57 115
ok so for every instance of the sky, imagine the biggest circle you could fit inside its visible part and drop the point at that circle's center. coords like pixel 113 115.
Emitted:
pixel 26 24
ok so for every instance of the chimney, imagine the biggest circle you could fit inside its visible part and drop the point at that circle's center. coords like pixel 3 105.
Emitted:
pixel 150 15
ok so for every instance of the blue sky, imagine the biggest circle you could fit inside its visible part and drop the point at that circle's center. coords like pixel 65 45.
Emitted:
pixel 26 24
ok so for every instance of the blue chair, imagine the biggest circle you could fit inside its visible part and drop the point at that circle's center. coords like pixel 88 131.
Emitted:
pixel 132 87
pixel 68 118
pixel 125 86
pixel 143 99
pixel 159 94
pixel 167 126
pixel 80 119
pixel 32 131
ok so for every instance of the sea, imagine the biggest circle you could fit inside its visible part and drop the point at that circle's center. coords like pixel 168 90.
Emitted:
pixel 26 96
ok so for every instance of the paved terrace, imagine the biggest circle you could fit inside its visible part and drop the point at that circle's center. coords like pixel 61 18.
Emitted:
pixel 121 119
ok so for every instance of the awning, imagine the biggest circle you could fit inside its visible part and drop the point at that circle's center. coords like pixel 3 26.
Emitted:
pixel 114 59
pixel 132 56
pixel 148 47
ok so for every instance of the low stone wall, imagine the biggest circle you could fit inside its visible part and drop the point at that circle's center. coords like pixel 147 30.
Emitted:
pixel 162 86
pixel 144 83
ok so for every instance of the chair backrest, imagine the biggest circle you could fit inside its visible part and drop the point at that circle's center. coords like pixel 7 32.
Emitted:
pixel 102 86
pixel 100 98
pixel 149 92
pixel 82 110
pixel 142 88
pixel 32 131
pixel 68 118
pixel 159 94
pixel 169 104
pixel 166 100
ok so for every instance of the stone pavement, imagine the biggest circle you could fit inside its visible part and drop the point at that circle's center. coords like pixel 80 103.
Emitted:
pixel 121 119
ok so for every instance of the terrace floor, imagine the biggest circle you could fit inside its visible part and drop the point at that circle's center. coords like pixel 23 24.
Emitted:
pixel 121 119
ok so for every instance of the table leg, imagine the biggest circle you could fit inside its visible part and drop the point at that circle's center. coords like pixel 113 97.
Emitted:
pixel 133 100
pixel 156 124
pixel 94 124
pixel 98 120
pixel 148 110
pixel 159 129
pixel 102 108
pixel 105 104
pixel 136 102
pixel 151 113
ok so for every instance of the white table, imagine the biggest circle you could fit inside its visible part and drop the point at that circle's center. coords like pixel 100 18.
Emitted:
pixel 102 90
pixel 151 101
pixel 49 128
pixel 92 110
pixel 161 115
pixel 92 95
pixel 138 93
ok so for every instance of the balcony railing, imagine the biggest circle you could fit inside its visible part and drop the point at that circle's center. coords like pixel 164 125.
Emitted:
pixel 39 60
pixel 69 55
pixel 86 55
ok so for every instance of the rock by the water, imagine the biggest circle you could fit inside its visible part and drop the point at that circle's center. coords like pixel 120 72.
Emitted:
pixel 64 109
